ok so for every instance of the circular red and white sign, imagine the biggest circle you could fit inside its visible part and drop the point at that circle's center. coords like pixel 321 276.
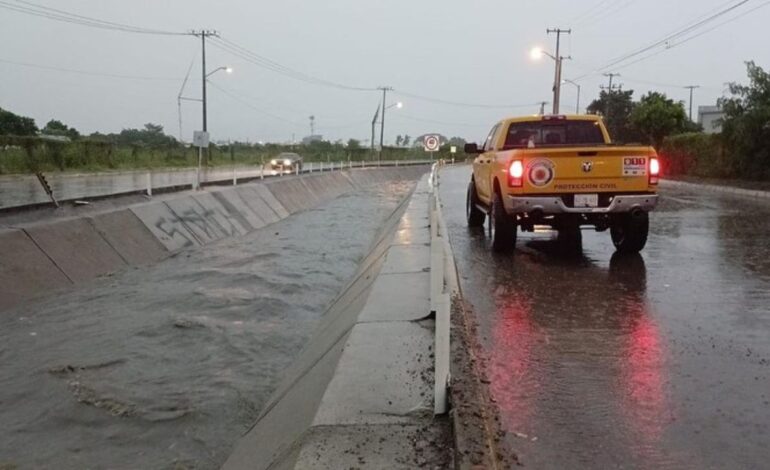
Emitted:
pixel 540 173
pixel 432 143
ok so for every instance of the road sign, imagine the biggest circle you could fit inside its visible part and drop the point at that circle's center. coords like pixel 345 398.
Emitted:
pixel 453 149
pixel 432 143
pixel 201 139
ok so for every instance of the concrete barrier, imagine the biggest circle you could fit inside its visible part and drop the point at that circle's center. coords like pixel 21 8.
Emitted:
pixel 167 228
pixel 230 222
pixel 230 199
pixel 25 270
pixel 199 221
pixel 268 198
pixel 130 238
pixel 76 248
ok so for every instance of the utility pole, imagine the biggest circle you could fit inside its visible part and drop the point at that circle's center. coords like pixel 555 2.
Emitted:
pixel 609 89
pixel 691 88
pixel 374 124
pixel 204 33
pixel 312 126
pixel 385 90
pixel 559 60
pixel 542 107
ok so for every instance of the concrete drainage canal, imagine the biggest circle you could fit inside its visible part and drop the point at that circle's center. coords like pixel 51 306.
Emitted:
pixel 130 343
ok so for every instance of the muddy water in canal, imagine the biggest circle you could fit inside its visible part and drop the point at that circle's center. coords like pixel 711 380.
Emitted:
pixel 166 367
pixel 660 360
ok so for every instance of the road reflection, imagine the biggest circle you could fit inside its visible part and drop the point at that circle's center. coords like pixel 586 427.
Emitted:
pixel 573 341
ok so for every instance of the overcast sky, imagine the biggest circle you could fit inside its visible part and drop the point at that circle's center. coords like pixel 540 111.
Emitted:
pixel 473 52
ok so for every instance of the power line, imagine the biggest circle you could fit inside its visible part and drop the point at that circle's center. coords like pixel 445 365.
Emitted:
pixel 234 97
pixel 603 14
pixel 710 16
pixel 269 64
pixel 674 35
pixel 431 121
pixel 89 73
pixel 72 18
pixel 459 103
pixel 686 40
pixel 589 12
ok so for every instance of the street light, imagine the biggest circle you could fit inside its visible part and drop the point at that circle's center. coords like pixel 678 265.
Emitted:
pixel 228 70
pixel 536 54
pixel 398 105
pixel 577 107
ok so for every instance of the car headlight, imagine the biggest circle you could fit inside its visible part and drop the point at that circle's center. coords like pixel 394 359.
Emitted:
pixel 287 162
pixel 273 162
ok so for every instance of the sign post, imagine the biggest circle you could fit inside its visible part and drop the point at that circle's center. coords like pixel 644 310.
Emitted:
pixel 432 144
pixel 200 140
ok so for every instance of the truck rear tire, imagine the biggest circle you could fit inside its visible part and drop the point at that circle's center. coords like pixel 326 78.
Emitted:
pixel 629 232
pixel 474 215
pixel 502 226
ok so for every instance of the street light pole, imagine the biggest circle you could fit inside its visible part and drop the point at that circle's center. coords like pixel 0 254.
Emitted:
pixel 385 90
pixel 577 107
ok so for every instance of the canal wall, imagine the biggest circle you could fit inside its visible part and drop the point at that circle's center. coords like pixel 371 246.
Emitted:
pixel 361 393
pixel 56 253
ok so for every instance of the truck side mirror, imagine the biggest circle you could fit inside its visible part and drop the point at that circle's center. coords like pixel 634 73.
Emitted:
pixel 472 149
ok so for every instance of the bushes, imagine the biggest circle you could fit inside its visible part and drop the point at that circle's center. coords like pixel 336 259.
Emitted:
pixel 696 154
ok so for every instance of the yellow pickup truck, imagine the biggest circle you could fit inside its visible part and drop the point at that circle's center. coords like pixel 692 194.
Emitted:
pixel 563 172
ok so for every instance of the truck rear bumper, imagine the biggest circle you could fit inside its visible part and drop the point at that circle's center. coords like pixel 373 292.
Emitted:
pixel 555 205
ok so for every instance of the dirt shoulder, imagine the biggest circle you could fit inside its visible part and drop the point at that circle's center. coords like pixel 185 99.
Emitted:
pixel 477 430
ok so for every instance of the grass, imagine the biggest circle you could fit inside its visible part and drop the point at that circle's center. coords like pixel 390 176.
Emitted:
pixel 82 156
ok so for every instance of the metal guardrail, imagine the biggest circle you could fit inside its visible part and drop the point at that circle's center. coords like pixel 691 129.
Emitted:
pixel 20 191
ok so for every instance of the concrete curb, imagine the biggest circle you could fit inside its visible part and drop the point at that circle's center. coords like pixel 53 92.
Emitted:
pixel 756 194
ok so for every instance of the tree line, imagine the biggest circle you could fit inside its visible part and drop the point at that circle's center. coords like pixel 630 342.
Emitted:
pixel 740 150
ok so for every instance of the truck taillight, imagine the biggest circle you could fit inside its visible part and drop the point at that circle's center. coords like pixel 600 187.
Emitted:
pixel 654 170
pixel 516 174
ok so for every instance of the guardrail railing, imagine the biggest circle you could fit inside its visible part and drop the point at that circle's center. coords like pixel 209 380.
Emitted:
pixel 19 191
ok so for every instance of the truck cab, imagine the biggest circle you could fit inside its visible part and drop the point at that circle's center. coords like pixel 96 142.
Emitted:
pixel 563 172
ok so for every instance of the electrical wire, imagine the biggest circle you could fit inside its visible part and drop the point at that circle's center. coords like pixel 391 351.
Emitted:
pixel 674 35
pixel 589 12
pixel 234 96
pixel 28 8
pixel 459 103
pixel 264 62
pixel 89 73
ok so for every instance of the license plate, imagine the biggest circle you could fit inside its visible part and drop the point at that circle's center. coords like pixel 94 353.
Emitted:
pixel 586 200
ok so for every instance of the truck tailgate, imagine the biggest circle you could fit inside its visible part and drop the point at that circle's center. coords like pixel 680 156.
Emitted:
pixel 586 170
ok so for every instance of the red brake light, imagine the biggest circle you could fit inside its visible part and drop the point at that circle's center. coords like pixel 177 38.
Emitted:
pixel 654 170
pixel 516 174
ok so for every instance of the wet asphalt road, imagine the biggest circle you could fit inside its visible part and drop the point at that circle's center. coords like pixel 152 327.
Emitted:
pixel 654 361
pixel 165 367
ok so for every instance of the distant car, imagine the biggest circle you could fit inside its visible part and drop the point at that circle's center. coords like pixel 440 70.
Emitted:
pixel 286 163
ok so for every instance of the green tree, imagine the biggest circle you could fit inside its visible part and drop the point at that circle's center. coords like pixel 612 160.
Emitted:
pixel 151 136
pixel 656 117
pixel 353 144
pixel 457 142
pixel 55 127
pixel 405 140
pixel 13 124
pixel 616 108
pixel 746 125
pixel 399 140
